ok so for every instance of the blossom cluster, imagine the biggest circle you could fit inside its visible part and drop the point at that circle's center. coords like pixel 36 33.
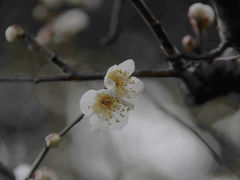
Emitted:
pixel 109 107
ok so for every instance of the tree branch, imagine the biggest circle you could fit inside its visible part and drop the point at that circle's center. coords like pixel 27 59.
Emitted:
pixel 86 76
pixel 46 149
pixel 209 56
pixel 167 47
pixel 6 172
pixel 51 56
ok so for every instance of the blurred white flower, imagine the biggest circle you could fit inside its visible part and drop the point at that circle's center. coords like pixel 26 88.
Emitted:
pixel 104 108
pixel 119 78
pixel 65 26
pixel 45 173
pixel 70 22
pixel 21 171
pixel 14 32
pixel 201 15
pixel 45 35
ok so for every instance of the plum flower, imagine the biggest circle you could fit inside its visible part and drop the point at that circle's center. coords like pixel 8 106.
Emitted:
pixel 119 78
pixel 104 108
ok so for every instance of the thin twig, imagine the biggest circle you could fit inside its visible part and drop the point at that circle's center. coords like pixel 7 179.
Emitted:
pixel 51 56
pixel 86 76
pixel 209 56
pixel 46 149
pixel 114 28
pixel 69 127
pixel 38 160
pixel 5 171
pixel 167 47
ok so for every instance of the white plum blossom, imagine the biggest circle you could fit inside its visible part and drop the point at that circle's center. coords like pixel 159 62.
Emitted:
pixel 109 107
pixel 119 78
pixel 21 172
pixel 104 108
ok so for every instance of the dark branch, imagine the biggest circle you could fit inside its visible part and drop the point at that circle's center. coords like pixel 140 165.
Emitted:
pixel 86 76
pixel 6 172
pixel 157 28
pixel 38 160
pixel 51 56
pixel 46 149
pixel 209 56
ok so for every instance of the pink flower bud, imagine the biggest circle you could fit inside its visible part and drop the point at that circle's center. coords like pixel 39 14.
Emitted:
pixel 53 140
pixel 201 15
pixel 13 33
pixel 189 43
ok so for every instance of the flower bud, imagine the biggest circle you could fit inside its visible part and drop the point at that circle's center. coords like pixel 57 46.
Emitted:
pixel 14 32
pixel 189 43
pixel 201 15
pixel 45 174
pixel 53 140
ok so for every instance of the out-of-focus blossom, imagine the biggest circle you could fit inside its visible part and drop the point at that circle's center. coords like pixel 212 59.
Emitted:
pixel 201 16
pixel 71 22
pixel 21 171
pixel 119 78
pixel 40 12
pixel 65 26
pixel 53 140
pixel 102 106
pixel 45 35
pixel 45 174
pixel 189 43
pixel 14 32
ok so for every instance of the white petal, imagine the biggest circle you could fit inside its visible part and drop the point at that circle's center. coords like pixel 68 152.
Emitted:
pixel 109 83
pixel 128 66
pixel 119 121
pixel 97 123
pixel 136 88
pixel 87 101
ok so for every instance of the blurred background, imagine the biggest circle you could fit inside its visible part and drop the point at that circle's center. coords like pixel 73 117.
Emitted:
pixel 155 144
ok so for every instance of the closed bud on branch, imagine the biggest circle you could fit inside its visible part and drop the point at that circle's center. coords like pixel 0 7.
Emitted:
pixel 201 16
pixel 45 174
pixel 189 43
pixel 53 140
pixel 14 32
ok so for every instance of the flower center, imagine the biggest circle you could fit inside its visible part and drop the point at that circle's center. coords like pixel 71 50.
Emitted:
pixel 107 102
pixel 119 77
